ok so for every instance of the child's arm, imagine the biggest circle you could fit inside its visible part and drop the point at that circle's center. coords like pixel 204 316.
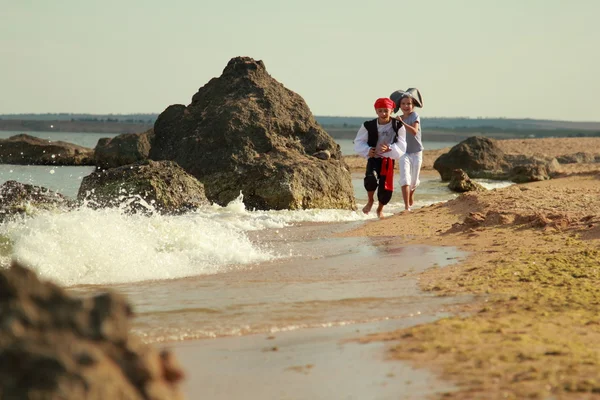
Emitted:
pixel 413 128
pixel 361 147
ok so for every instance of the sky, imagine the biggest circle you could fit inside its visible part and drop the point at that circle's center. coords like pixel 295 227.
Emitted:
pixel 469 58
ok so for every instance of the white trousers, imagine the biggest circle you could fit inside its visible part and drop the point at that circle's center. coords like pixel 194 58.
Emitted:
pixel 410 166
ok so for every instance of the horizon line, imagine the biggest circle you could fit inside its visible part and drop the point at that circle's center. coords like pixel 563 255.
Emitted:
pixel 314 115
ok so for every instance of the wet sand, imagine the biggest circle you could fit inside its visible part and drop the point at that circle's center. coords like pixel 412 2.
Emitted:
pixel 348 281
pixel 323 363
pixel 530 329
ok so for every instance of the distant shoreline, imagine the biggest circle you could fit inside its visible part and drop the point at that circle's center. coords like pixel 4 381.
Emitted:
pixel 339 130
pixel 118 127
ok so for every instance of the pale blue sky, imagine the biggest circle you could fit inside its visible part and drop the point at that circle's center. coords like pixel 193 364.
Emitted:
pixel 473 58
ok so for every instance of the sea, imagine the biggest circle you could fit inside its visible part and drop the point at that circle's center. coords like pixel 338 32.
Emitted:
pixel 225 271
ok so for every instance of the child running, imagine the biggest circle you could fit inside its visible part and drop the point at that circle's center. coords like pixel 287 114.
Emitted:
pixel 412 159
pixel 381 141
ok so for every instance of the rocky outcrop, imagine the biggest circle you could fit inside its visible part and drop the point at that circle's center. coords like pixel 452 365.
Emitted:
pixel 125 149
pixel 18 199
pixel 245 132
pixel 480 157
pixel 531 169
pixel 29 150
pixel 146 186
pixel 461 183
pixel 578 158
pixel 55 346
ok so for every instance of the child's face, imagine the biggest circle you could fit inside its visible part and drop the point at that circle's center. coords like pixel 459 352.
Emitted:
pixel 384 113
pixel 406 105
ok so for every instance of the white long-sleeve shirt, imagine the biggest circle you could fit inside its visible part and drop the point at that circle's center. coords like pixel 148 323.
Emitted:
pixel 386 135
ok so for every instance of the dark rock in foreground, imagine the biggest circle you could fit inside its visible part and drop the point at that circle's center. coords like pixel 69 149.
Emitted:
pixel 29 150
pixel 124 149
pixel 20 199
pixel 149 185
pixel 55 346
pixel 244 131
pixel 480 157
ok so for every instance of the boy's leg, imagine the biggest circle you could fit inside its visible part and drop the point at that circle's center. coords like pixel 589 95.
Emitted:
pixel 370 183
pixel 370 200
pixel 383 196
pixel 380 211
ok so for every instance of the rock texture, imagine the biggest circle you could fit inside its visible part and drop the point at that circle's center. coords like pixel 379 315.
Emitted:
pixel 461 183
pixel 54 346
pixel 125 149
pixel 17 199
pixel 28 150
pixel 146 186
pixel 481 157
pixel 245 132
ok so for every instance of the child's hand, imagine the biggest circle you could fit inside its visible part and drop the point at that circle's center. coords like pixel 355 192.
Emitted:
pixel 384 148
pixel 372 152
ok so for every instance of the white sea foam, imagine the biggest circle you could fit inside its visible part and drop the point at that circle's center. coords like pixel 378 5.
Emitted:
pixel 493 184
pixel 109 246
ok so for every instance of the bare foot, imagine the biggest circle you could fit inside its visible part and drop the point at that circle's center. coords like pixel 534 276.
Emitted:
pixel 380 214
pixel 367 208
pixel 410 198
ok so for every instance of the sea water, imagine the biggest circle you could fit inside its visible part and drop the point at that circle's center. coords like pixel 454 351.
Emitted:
pixel 222 271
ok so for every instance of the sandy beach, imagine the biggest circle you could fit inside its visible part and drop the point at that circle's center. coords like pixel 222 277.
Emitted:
pixel 529 329
pixel 534 268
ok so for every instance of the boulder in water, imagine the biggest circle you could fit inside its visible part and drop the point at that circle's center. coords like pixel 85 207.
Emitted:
pixel 244 131
pixel 24 149
pixel 19 199
pixel 145 186
pixel 124 149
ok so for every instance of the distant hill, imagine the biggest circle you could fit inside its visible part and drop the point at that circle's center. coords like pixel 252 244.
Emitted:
pixel 453 123
pixel 132 118
pixel 442 129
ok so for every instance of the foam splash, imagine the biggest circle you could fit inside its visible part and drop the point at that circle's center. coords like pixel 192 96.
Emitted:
pixel 109 246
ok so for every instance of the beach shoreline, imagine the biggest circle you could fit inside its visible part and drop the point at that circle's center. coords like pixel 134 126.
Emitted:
pixel 521 334
pixel 533 264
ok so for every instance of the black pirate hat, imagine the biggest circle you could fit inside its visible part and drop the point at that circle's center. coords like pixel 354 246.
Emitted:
pixel 412 92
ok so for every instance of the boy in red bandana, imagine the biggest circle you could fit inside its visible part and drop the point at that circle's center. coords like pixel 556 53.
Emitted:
pixel 381 141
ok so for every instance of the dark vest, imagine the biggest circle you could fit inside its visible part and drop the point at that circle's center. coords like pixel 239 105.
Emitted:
pixel 371 127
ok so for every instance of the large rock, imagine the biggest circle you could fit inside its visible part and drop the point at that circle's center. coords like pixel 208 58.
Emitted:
pixel 55 346
pixel 145 186
pixel 19 199
pixel 531 169
pixel 124 149
pixel 480 157
pixel 29 150
pixel 244 131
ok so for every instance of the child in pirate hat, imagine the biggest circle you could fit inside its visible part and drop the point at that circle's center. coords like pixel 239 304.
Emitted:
pixel 412 159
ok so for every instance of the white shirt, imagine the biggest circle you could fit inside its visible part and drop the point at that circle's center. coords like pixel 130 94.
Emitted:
pixel 385 136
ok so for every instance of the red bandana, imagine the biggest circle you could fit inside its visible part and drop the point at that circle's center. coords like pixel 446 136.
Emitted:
pixel 385 102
